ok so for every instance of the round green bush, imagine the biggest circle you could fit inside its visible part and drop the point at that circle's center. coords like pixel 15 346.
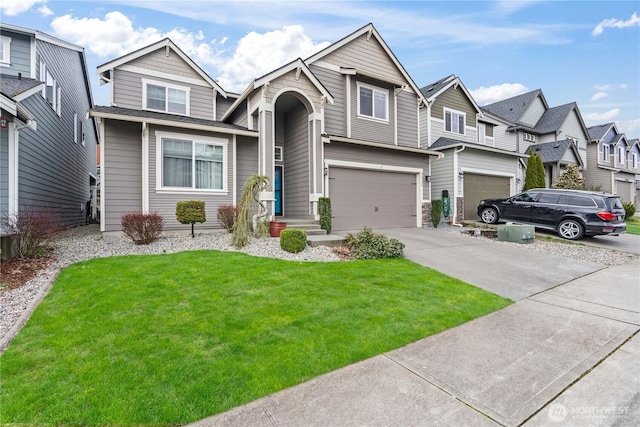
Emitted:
pixel 629 209
pixel 293 240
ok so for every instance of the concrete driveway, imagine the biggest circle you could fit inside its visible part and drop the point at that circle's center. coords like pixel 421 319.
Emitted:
pixel 624 243
pixel 510 271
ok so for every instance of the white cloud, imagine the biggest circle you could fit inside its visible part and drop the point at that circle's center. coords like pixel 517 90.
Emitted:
pixel 45 11
pixel 16 7
pixel 491 94
pixel 623 86
pixel 254 55
pixel 602 88
pixel 616 23
pixel 599 95
pixel 603 117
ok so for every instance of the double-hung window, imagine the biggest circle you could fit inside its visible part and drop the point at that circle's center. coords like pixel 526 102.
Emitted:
pixel 622 155
pixel 192 164
pixel 166 98
pixel 373 102
pixel 634 160
pixel 604 151
pixel 454 121
pixel 51 90
pixel 5 50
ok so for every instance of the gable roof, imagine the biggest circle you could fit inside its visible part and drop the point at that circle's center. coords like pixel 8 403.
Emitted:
pixel 18 87
pixel 370 31
pixel 512 109
pixel 552 119
pixel 432 91
pixel 554 151
pixel 596 133
pixel 39 35
pixel 166 43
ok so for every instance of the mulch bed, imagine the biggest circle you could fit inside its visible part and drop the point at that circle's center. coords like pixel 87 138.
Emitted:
pixel 18 271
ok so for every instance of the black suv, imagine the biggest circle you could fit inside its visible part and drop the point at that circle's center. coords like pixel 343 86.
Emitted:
pixel 570 213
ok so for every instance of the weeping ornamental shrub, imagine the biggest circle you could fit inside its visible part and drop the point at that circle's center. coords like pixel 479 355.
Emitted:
pixel 143 229
pixel 293 240
pixel 324 210
pixel 629 209
pixel 249 202
pixel 190 212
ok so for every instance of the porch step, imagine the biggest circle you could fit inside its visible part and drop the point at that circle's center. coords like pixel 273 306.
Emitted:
pixel 330 240
pixel 310 226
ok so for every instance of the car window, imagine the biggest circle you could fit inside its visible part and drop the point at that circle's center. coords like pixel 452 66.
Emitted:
pixel 548 198
pixel 581 201
pixel 563 199
pixel 526 197
pixel 614 203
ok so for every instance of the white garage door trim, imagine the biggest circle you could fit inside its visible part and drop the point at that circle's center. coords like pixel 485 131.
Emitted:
pixel 380 167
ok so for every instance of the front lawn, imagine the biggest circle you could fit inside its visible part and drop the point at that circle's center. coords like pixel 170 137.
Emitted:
pixel 633 225
pixel 171 339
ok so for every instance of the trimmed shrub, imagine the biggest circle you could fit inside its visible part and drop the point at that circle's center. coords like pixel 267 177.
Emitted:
pixel 367 245
pixel 228 215
pixel 32 230
pixel 293 240
pixel 190 212
pixel 324 210
pixel 436 212
pixel 629 209
pixel 142 228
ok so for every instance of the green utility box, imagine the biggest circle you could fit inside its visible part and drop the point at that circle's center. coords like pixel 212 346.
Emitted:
pixel 516 233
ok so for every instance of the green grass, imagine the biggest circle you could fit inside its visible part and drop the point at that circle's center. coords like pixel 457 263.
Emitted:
pixel 170 339
pixel 633 225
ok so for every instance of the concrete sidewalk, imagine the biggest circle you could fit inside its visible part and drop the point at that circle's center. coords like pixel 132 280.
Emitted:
pixel 563 356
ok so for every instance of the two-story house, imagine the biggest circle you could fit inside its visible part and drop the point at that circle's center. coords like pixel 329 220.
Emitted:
pixel 342 124
pixel 527 120
pixel 615 161
pixel 472 167
pixel 47 142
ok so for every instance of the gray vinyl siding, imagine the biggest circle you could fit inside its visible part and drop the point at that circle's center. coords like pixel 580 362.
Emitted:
pixel 457 100
pixel 54 171
pixel 366 55
pixel 246 162
pixel 572 128
pixel 296 164
pixel 505 140
pixel 4 171
pixel 361 154
pixel 594 175
pixel 334 115
pixel 222 105
pixel 424 128
pixel 239 116
pixel 369 129
pixel 488 163
pixel 442 175
pixel 533 113
pixel 165 204
pixel 20 50
pixel 128 93
pixel 407 119
pixel 170 64
pixel 121 186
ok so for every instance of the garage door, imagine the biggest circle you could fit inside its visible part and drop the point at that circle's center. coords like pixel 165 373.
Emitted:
pixel 374 199
pixel 624 190
pixel 478 187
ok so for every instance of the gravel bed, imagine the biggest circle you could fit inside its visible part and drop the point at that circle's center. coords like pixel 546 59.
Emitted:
pixel 87 242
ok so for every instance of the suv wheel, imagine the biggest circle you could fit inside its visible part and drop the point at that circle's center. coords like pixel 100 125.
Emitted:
pixel 489 215
pixel 570 229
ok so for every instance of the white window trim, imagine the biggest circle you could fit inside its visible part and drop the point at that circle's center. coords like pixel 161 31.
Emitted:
pixel 82 133
pixel 193 138
pixel 605 152
pixel 278 152
pixel 5 60
pixel 75 127
pixel 186 89
pixel 374 89
pixel 452 111
pixel 622 155
pixel 634 160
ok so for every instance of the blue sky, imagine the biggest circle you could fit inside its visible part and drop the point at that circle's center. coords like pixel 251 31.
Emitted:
pixel 575 51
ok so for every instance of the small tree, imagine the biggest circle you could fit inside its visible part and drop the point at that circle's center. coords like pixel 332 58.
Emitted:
pixel 190 212
pixel 541 182
pixel 530 177
pixel 324 210
pixel 570 179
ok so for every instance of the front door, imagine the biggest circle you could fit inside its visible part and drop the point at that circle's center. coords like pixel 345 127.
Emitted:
pixel 277 190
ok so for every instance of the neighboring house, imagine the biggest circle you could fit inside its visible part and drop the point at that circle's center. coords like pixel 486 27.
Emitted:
pixel 527 120
pixel 556 156
pixel 472 168
pixel 342 124
pixel 617 160
pixel 47 142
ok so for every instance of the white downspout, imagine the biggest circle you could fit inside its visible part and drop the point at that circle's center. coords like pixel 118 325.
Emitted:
pixel 456 185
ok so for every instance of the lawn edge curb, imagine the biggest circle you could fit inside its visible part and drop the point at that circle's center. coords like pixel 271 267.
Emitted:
pixel 26 314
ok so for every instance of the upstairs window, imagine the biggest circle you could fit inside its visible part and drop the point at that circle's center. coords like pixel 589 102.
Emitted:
pixel 634 160
pixel 51 90
pixel 604 152
pixel 529 137
pixel 166 98
pixel 373 102
pixel 622 155
pixel 454 121
pixel 5 50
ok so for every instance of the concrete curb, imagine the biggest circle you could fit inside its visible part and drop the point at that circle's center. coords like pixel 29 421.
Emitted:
pixel 11 334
